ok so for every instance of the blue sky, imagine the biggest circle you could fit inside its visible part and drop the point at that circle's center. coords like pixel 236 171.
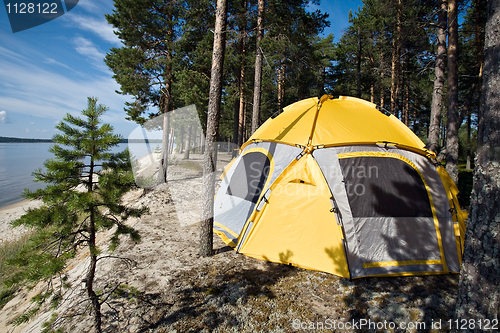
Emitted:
pixel 50 70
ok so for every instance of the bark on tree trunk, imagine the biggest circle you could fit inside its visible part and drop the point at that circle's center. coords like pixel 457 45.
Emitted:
pixel 236 123
pixel 478 293
pixel 242 76
pixel 281 83
pixel 163 163
pixel 188 143
pixel 452 124
pixel 210 156
pixel 239 104
pixel 171 141
pixel 382 97
pixel 89 283
pixel 358 67
pixel 407 105
pixel 258 68
pixel 89 279
pixel 181 141
pixel 437 91
pixel 396 44
pixel 467 165
pixel 162 174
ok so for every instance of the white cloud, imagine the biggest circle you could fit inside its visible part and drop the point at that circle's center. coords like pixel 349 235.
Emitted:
pixel 53 61
pixel 95 7
pixel 98 26
pixel 32 123
pixel 4 119
pixel 86 48
pixel 27 130
pixel 33 90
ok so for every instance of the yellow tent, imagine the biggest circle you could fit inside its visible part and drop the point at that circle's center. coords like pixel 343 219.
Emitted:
pixel 337 186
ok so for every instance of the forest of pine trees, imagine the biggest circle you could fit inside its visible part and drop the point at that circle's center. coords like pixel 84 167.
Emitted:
pixel 391 54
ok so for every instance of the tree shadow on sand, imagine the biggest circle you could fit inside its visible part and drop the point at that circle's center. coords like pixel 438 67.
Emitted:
pixel 215 296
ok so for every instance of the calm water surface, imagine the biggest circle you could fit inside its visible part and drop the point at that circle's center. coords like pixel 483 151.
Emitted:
pixel 19 160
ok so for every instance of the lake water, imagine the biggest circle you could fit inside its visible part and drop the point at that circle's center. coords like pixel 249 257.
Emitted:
pixel 19 160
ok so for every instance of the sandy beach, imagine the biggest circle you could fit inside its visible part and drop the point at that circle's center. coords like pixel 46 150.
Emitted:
pixel 11 213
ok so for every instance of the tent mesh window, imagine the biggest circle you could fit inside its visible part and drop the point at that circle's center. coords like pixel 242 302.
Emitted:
pixel 384 187
pixel 249 176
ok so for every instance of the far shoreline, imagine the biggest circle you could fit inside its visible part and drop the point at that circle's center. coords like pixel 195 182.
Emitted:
pixel 11 213
pixel 13 205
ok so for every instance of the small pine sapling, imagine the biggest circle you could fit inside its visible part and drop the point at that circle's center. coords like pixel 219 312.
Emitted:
pixel 85 184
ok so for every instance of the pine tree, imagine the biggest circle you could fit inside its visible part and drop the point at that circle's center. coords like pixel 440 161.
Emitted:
pixel 438 90
pixel 144 65
pixel 85 185
pixel 213 117
pixel 258 67
pixel 478 293
pixel 453 123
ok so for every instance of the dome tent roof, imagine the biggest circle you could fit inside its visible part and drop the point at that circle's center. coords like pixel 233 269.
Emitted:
pixel 336 122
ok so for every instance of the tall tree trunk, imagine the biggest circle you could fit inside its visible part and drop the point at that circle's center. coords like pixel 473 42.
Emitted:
pixel 258 67
pixel 478 292
pixel 243 28
pixel 382 97
pixel 452 124
pixel 163 163
pixel 281 83
pixel 181 141
pixel 236 122
pixel 245 127
pixel 213 116
pixel 162 174
pixel 240 103
pixel 188 142
pixel 89 279
pixel 194 137
pixel 479 51
pixel 467 165
pixel 404 92
pixel 358 67
pixel 438 89
pixel 407 103
pixel 171 141
pixel 322 81
pixel 396 45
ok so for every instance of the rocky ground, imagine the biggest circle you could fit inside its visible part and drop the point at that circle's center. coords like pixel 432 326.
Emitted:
pixel 164 286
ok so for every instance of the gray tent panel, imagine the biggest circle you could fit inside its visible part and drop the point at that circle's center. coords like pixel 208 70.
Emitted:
pixel 330 167
pixel 384 187
pixel 234 217
pixel 386 239
pixel 248 177
pixel 442 207
pixel 393 219
pixel 402 269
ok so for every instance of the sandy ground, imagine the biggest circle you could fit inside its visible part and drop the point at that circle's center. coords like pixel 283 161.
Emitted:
pixel 170 226
pixel 164 286
pixel 10 213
